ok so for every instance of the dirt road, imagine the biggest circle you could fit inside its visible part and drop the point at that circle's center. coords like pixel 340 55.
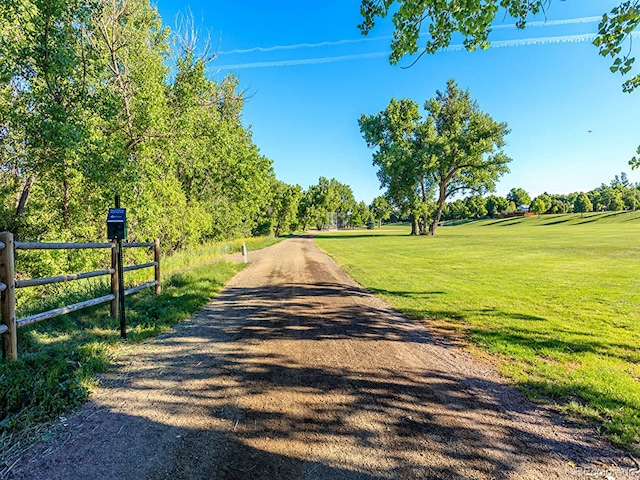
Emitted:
pixel 296 372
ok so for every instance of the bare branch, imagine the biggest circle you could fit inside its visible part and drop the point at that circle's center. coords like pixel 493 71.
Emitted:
pixel 190 39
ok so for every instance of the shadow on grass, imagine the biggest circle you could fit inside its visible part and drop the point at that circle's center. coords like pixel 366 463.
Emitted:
pixel 555 222
pixel 516 222
pixel 497 222
pixel 600 216
pixel 463 315
pixel 404 294
pixel 536 341
pixel 581 399
pixel 349 235
pixel 533 341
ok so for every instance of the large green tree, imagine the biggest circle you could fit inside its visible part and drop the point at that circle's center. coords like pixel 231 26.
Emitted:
pixel 456 148
pixel 467 146
pixel 47 99
pixel 282 212
pixel 381 209
pixel 401 138
pixel 496 205
pixel 519 196
pixel 327 197
pixel 582 203
pixel 538 206
pixel 360 214
pixel 226 182
pixel 476 205
pixel 456 210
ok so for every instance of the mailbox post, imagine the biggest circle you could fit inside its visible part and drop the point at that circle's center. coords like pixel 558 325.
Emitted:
pixel 117 223
pixel 117 230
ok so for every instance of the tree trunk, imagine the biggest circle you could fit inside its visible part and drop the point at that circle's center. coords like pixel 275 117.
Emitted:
pixel 414 225
pixel 22 201
pixel 436 218
pixel 424 224
pixel 66 204
pixel 425 215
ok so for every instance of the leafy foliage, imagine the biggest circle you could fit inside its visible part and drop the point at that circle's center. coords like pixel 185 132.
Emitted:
pixel 620 194
pixel 456 148
pixel 519 196
pixel 381 209
pixel 281 215
pixel 538 206
pixel 442 18
pixel 401 138
pixel 496 205
pixel 614 30
pixel 582 204
pixel 91 105
pixel 323 200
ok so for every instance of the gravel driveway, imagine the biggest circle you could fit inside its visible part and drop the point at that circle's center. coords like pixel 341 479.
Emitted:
pixel 295 372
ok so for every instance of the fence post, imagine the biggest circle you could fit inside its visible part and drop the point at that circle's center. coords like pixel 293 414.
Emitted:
pixel 8 297
pixel 156 258
pixel 115 291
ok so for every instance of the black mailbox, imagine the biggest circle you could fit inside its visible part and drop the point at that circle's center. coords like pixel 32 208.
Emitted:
pixel 117 224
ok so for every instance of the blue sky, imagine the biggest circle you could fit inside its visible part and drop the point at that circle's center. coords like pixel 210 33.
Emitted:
pixel 310 75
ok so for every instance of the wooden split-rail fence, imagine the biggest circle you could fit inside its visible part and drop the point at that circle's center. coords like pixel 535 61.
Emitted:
pixel 8 284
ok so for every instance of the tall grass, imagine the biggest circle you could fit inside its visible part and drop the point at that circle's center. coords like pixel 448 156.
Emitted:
pixel 58 358
pixel 554 298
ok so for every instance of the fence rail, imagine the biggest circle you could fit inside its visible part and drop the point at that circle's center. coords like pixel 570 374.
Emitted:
pixel 8 284
pixel 36 282
pixel 23 322
pixel 60 246
pixel 139 267
pixel 133 290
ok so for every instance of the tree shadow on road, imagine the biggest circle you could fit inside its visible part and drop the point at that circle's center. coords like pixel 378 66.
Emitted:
pixel 283 387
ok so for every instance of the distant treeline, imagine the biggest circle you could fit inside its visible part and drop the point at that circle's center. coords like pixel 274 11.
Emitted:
pixel 620 194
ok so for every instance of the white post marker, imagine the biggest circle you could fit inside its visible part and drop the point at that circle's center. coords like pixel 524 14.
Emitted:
pixel 244 253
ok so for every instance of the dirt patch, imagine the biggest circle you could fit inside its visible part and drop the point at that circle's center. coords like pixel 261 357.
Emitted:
pixel 295 371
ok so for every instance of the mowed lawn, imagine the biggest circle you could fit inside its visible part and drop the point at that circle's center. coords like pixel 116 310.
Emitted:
pixel 554 298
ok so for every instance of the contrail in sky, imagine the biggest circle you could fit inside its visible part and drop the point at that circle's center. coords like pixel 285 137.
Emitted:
pixel 303 45
pixel 302 61
pixel 550 23
pixel 587 37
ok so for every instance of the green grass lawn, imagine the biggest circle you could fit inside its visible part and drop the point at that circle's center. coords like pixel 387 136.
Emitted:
pixel 555 298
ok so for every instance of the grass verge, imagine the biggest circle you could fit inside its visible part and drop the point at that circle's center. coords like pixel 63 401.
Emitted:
pixel 554 298
pixel 58 358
